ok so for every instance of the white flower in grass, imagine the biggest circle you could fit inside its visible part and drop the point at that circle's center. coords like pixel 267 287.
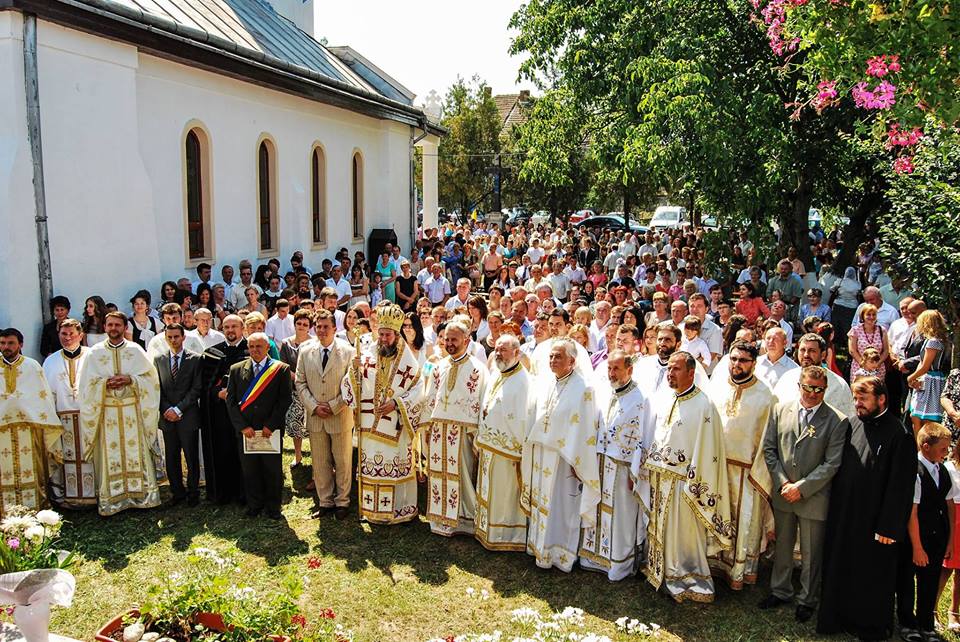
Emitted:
pixel 524 615
pixel 571 615
pixel 471 591
pixel 484 594
pixel 245 593
pixel 548 627
pixel 48 517
pixel 35 532
pixel 593 637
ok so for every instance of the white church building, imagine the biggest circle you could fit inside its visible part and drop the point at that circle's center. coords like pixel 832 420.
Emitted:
pixel 166 133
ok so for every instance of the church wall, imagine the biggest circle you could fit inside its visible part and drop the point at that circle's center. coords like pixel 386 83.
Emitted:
pixel 114 121
pixel 235 116
pixel 19 303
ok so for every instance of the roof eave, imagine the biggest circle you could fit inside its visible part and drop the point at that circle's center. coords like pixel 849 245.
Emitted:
pixel 166 39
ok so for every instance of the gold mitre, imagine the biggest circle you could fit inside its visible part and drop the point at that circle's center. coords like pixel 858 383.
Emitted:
pixel 390 317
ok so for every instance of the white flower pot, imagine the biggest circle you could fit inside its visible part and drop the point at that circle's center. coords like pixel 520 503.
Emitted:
pixel 33 620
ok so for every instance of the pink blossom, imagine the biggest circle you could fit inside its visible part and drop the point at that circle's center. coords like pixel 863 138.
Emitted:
pixel 903 165
pixel 880 66
pixel 882 96
pixel 13 543
pixel 826 92
pixel 897 137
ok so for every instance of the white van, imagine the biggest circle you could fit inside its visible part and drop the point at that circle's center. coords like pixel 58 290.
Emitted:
pixel 669 217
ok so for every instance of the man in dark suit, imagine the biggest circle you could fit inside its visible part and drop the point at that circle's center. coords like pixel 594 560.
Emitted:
pixel 802 447
pixel 258 395
pixel 180 388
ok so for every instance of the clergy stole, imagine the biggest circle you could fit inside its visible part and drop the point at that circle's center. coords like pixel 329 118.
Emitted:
pixel 744 410
pixel 689 501
pixel 453 396
pixel 625 433
pixel 386 480
pixel 500 524
pixel 29 429
pixel 74 481
pixel 560 477
pixel 119 426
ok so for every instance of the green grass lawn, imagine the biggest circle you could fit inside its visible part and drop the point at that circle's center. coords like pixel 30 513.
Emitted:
pixel 394 583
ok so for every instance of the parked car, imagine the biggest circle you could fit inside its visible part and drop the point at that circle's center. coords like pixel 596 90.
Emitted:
pixel 609 222
pixel 669 217
pixel 579 215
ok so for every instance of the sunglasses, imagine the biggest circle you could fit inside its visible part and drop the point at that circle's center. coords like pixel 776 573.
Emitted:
pixel 806 387
pixel 740 360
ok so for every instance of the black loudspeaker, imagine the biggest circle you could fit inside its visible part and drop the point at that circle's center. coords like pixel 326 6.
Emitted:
pixel 375 244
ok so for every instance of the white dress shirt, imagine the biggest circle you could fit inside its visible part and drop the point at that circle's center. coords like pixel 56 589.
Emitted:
pixel 279 329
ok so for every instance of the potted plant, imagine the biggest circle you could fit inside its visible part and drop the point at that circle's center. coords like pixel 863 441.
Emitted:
pixel 33 570
pixel 209 601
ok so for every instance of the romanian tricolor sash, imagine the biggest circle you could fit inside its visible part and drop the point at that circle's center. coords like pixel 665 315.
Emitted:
pixel 259 383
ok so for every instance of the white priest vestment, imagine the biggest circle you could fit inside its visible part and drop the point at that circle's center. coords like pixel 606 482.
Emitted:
pixel 119 426
pixel 74 481
pixel 651 377
pixel 505 417
pixel 626 431
pixel 29 430
pixel 386 481
pixel 689 501
pixel 744 410
pixel 838 394
pixel 560 477
pixel 450 416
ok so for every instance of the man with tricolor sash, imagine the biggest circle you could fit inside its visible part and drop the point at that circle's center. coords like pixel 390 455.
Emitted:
pixel 258 395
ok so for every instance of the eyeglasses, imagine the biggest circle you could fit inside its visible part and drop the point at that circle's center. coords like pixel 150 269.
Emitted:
pixel 741 359
pixel 407 326
pixel 806 387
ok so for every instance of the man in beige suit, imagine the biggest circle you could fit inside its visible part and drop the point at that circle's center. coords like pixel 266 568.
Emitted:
pixel 320 369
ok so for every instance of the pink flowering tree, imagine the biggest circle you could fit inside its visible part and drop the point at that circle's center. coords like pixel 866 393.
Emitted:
pixel 898 61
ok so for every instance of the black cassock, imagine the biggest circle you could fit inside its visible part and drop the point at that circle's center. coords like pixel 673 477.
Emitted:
pixel 221 461
pixel 872 493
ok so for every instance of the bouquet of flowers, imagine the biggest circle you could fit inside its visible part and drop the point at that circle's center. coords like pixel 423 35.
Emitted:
pixel 34 574
pixel 29 541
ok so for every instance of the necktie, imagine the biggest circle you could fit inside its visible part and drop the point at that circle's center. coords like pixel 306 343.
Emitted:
pixel 175 368
pixel 326 357
pixel 936 475
pixel 256 370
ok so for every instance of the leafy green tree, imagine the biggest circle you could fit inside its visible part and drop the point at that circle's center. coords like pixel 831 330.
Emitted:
pixel 688 96
pixel 921 232
pixel 469 149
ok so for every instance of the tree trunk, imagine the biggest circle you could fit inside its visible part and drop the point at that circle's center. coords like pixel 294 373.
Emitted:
pixel 855 233
pixel 626 208
pixel 794 220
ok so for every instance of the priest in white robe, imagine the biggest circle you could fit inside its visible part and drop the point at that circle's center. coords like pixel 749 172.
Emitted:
pixel 451 412
pixel 690 516
pixel 74 480
pixel 560 477
pixel 505 416
pixel 650 372
pixel 119 414
pixel 812 351
pixel 744 403
pixel 384 389
pixel 29 428
pixel 625 432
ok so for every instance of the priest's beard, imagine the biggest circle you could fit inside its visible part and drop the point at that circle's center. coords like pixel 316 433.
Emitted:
pixel 503 365
pixel 386 351
pixel 743 378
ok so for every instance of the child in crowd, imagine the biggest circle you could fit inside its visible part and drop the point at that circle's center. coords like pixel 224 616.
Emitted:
pixel 951 565
pixel 692 342
pixel 930 526
pixel 871 363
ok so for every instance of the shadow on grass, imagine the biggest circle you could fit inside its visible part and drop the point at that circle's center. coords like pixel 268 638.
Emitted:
pixel 113 541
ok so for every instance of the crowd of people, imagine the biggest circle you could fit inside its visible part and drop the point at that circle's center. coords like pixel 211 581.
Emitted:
pixel 588 396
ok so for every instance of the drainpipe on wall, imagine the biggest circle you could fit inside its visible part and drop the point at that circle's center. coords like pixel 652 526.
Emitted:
pixel 31 86
pixel 413 179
